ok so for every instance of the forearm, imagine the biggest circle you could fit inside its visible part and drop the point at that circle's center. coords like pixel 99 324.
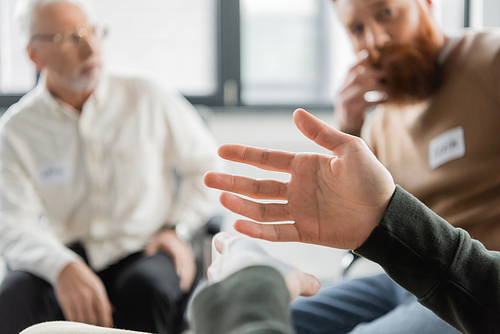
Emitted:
pixel 24 243
pixel 253 300
pixel 453 275
pixel 33 250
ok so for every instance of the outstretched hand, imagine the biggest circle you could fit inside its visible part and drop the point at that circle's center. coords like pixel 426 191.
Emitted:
pixel 334 201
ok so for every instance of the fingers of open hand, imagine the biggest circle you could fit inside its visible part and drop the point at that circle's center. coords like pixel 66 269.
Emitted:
pixel 262 158
pixel 270 232
pixel 318 131
pixel 259 189
pixel 271 212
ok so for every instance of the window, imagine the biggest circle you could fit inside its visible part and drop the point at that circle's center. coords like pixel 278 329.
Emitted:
pixel 17 73
pixel 297 52
pixel 284 52
pixel 484 13
pixel 174 40
pixel 227 52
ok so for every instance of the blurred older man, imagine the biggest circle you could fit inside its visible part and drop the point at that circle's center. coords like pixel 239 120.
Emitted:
pixel 435 128
pixel 89 225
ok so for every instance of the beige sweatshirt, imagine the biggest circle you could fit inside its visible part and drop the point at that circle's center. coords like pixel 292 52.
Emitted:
pixel 446 151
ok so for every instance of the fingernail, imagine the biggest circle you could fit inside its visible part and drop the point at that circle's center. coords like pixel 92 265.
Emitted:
pixel 375 96
pixel 360 69
pixel 220 237
pixel 363 54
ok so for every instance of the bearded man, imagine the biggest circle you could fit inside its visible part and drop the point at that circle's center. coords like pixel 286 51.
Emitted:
pixel 435 128
pixel 91 226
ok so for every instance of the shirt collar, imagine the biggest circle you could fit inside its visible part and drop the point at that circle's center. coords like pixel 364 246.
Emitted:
pixel 98 98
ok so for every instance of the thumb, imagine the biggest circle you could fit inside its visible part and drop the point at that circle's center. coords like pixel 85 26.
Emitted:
pixel 310 285
pixel 301 284
pixel 221 239
pixel 318 131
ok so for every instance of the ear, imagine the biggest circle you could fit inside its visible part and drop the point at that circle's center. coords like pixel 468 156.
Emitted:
pixel 33 53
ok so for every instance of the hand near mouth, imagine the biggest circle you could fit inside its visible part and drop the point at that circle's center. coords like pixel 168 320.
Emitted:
pixel 363 88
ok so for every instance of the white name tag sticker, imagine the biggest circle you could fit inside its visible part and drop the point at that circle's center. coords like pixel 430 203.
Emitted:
pixel 446 147
pixel 54 173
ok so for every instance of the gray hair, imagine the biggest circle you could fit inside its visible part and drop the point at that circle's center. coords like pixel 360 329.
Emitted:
pixel 25 14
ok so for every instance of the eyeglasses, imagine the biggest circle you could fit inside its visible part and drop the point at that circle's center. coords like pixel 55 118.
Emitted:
pixel 71 38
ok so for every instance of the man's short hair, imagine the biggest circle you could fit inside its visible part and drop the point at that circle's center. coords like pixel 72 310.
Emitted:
pixel 25 12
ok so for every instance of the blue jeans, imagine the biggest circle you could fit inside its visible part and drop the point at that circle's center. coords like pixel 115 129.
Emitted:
pixel 375 305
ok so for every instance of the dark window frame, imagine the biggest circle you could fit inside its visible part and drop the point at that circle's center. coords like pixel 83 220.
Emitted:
pixel 467 13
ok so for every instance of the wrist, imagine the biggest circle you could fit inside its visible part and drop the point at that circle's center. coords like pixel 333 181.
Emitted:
pixel 183 233
pixel 172 242
pixel 178 229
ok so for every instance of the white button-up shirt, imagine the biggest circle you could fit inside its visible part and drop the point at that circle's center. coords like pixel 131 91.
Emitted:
pixel 102 177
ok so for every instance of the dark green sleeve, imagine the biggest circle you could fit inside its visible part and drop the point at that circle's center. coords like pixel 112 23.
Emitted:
pixel 450 273
pixel 253 300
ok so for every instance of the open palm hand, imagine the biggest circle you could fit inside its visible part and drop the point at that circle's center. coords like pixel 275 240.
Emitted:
pixel 333 201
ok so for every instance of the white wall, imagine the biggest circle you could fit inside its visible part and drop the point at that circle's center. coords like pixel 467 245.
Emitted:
pixel 485 13
pixel 491 13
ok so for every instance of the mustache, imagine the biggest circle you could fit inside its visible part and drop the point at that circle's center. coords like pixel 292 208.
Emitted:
pixel 386 55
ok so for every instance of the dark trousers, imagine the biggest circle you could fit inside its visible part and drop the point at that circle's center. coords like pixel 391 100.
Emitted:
pixel 143 290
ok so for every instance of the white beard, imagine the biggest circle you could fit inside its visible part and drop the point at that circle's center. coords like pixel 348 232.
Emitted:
pixel 83 85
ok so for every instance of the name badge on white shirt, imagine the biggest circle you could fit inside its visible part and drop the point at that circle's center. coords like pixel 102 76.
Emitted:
pixel 446 147
pixel 54 173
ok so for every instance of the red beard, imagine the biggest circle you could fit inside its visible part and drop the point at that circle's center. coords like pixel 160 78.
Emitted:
pixel 412 71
